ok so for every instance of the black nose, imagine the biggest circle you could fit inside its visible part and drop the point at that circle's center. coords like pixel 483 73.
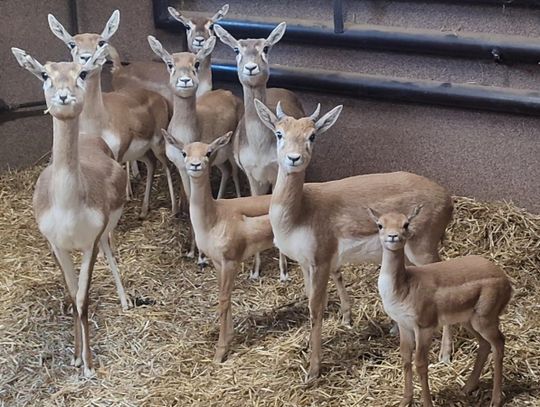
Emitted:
pixel 251 68
pixel 184 80
pixel 86 58
pixel 196 165
pixel 294 159
pixel 393 237
pixel 63 98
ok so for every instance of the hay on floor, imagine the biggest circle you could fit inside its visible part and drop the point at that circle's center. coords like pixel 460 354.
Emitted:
pixel 160 353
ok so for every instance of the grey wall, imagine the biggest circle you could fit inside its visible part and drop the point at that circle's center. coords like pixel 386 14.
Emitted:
pixel 484 155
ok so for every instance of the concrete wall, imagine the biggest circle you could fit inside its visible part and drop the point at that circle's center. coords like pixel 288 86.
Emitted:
pixel 485 155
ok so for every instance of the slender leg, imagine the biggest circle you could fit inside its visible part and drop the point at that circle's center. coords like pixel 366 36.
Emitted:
pixel 283 272
pixel 191 253
pixel 343 298
pixel 256 272
pixel 226 283
pixel 225 175
pixel 150 166
pixel 317 301
pixel 406 348
pixel 160 155
pixel 481 358
pixel 85 277
pixel 491 333
pixel 63 257
pixel 234 169
pixel 129 191
pixel 423 342
pixel 135 169
pixel 106 248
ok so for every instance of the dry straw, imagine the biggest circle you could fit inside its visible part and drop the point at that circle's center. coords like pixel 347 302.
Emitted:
pixel 160 353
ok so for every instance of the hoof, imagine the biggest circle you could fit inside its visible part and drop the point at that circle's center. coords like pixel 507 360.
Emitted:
pixel 346 321
pixel 284 278
pixel 394 331
pixel 143 215
pixel 445 358
pixel 311 376
pixel 127 305
pixel 405 402
pixel 220 355
pixel 190 254
pixel 254 275
pixel 469 388
pixel 89 372
pixel 76 361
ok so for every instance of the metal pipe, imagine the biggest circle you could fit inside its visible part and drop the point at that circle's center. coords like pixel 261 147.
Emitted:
pixel 338 16
pixel 499 48
pixel 395 89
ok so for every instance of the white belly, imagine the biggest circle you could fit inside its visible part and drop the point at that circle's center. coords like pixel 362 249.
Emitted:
pixel 113 142
pixel 362 250
pixel 71 229
pixel 137 148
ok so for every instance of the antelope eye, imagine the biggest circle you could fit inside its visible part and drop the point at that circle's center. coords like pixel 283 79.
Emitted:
pixel 197 64
pixel 44 76
pixel 279 135
pixel 265 50
pixel 101 43
pixel 170 66
pixel 188 27
pixel 83 74
pixel 379 226
pixel 237 51
pixel 208 154
pixel 211 27
pixel 406 226
pixel 312 138
pixel 71 45
pixel 184 154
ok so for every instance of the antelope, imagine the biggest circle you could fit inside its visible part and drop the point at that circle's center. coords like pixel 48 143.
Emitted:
pixel 228 231
pixel 153 75
pixel 254 145
pixel 324 225
pixel 78 198
pixel 470 290
pixel 198 118
pixel 130 120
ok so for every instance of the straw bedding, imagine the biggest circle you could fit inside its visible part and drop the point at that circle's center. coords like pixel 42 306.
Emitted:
pixel 160 353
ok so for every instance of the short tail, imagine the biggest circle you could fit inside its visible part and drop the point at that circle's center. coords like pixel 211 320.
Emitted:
pixel 115 58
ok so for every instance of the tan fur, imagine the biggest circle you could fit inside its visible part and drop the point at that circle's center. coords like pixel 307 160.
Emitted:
pixel 314 223
pixel 227 230
pixel 153 75
pixel 78 198
pixel 130 120
pixel 468 290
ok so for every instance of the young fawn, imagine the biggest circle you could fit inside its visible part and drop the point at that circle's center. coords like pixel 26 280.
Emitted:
pixel 470 290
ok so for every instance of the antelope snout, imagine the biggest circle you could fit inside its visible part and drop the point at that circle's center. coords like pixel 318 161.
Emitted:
pixel 185 82
pixel 251 69
pixel 294 159
pixel 84 58
pixel 393 238
pixel 195 166
pixel 63 97
pixel 198 42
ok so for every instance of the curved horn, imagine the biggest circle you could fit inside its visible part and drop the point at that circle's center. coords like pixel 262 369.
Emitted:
pixel 279 111
pixel 315 115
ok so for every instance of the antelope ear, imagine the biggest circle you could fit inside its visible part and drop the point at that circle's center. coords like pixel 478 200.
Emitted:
pixel 171 140
pixel 415 211
pixel 207 49
pixel 111 26
pixel 179 17
pixel 266 115
pixel 225 37
pixel 161 52
pixel 276 34
pixel 373 214
pixel 220 142
pixel 59 31
pixel 221 13
pixel 328 120
pixel 29 63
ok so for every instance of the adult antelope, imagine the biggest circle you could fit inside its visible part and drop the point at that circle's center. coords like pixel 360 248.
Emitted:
pixel 201 118
pixel 153 75
pixel 228 231
pixel 470 290
pixel 254 145
pixel 324 225
pixel 78 198
pixel 130 121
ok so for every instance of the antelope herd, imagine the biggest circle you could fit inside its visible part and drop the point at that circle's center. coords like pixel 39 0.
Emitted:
pixel 169 112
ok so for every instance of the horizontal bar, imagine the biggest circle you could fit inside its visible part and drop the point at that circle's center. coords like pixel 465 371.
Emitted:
pixel 499 48
pixel 510 3
pixel 462 96
pixel 4 108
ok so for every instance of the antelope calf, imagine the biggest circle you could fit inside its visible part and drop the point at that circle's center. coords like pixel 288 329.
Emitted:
pixel 79 197
pixel 470 290
pixel 325 225
pixel 227 230
pixel 130 121
pixel 153 75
